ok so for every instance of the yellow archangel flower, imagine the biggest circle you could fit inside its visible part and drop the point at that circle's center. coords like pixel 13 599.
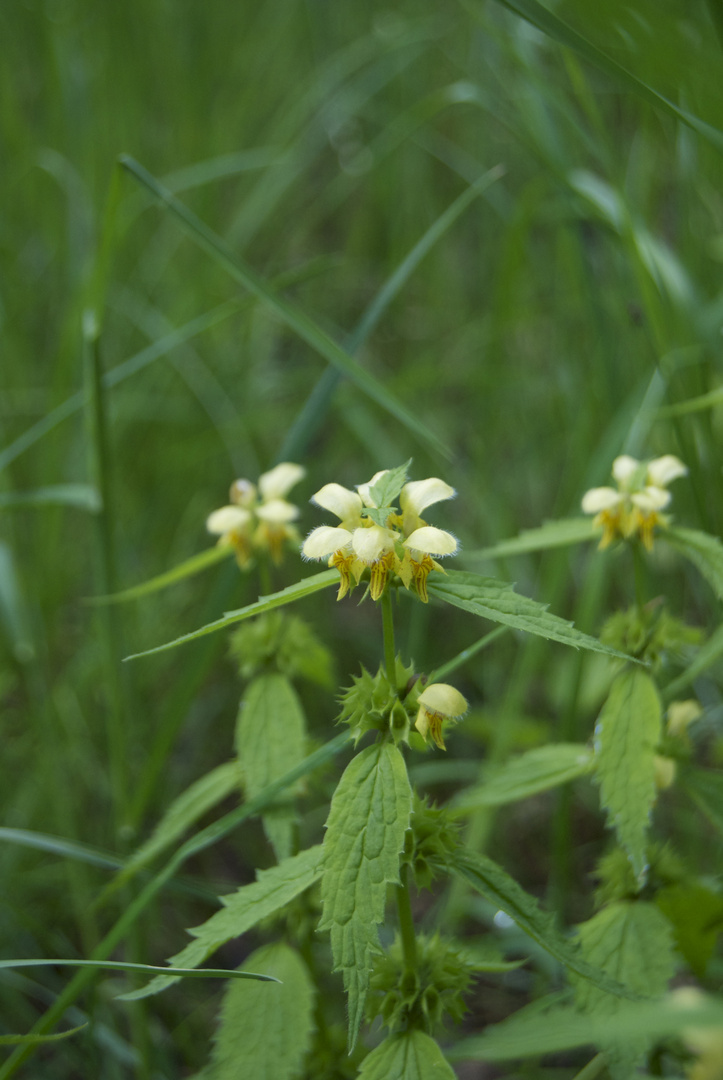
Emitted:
pixel 634 507
pixel 404 545
pixel 259 518
pixel 437 703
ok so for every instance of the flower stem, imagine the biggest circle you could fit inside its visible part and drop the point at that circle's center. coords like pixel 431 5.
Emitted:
pixel 406 921
pixel 388 628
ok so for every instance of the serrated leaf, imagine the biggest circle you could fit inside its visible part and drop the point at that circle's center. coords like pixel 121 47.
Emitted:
pixel 532 1033
pixel 696 915
pixel 188 568
pixel 266 1035
pixel 703 550
pixel 538 770
pixel 387 488
pixel 412 1055
pixel 273 889
pixel 81 496
pixel 499 888
pixel 497 601
pixel 550 534
pixel 289 595
pixel 626 737
pixel 183 812
pixel 270 741
pixel 632 942
pixel 369 816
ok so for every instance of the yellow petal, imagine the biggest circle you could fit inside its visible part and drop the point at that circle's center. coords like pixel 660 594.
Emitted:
pixel 597 499
pixel 371 544
pixel 324 541
pixel 443 699
pixel 432 541
pixel 339 500
pixel 663 470
pixel 279 481
pixel 228 519
pixel 277 512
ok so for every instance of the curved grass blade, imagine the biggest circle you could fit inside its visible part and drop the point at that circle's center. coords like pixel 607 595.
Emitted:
pixel 294 317
pixel 34 1040
pixel 288 595
pixel 538 15
pixel 146 969
pixel 57 845
pixel 552 534
pixel 81 496
pixel 188 568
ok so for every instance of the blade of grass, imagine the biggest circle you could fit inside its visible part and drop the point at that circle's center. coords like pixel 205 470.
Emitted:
pixel 294 317
pixel 122 965
pixel 187 568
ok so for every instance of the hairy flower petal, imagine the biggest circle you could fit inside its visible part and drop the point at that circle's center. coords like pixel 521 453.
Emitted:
pixel 444 699
pixel 432 541
pixel 624 467
pixel 277 512
pixel 339 500
pixel 227 519
pixel 324 541
pixel 650 499
pixel 278 481
pixel 371 544
pixel 417 495
pixel 597 499
pixel 663 470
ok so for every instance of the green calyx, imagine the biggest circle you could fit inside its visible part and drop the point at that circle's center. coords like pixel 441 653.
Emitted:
pixel 650 634
pixel 281 642
pixel 429 842
pixel 421 999
pixel 371 703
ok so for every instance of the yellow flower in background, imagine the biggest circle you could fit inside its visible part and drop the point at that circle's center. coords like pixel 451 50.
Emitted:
pixel 260 518
pixel 437 703
pixel 634 507
pixel 403 545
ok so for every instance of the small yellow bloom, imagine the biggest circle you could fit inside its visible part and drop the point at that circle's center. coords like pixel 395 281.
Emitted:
pixel 634 507
pixel 437 703
pixel 403 545
pixel 259 519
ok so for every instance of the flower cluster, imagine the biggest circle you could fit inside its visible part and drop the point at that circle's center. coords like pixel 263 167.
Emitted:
pixel 260 518
pixel 634 507
pixel 373 536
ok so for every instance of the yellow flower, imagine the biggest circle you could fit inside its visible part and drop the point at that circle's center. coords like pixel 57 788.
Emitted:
pixel 634 507
pixel 259 519
pixel 437 703
pixel 404 544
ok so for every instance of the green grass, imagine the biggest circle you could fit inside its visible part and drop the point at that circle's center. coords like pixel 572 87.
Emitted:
pixel 512 338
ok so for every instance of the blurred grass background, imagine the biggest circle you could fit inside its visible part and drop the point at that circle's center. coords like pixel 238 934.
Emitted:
pixel 559 321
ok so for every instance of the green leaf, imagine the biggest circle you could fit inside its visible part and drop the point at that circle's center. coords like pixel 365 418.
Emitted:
pixel 387 488
pixel 31 1040
pixel 705 788
pixel 499 888
pixel 183 812
pixel 82 496
pixel 191 566
pixel 696 915
pixel 412 1055
pixel 497 600
pixel 58 845
pixel 549 23
pixel 551 534
pixel 289 595
pixel 703 550
pixel 266 1035
pixel 273 889
pixel 632 942
pixel 145 969
pixel 626 737
pixel 294 317
pixel 369 816
pixel 532 1033
pixel 538 770
pixel 270 741
pixel 704 657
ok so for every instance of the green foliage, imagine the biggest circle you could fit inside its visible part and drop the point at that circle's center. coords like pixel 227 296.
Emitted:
pixel 188 568
pixel 696 915
pixel 283 642
pixel 540 769
pixel 424 998
pixel 430 841
pixel 551 534
pixel 412 1055
pixel 32 1040
pixel 242 910
pixel 650 634
pixel 182 813
pixel 81 496
pixel 384 494
pixel 364 838
pixel 499 888
pixel 269 1034
pixel 270 741
pixel 626 737
pixel 368 704
pixel 705 787
pixel 496 600
pixel 703 550
pixel 633 942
